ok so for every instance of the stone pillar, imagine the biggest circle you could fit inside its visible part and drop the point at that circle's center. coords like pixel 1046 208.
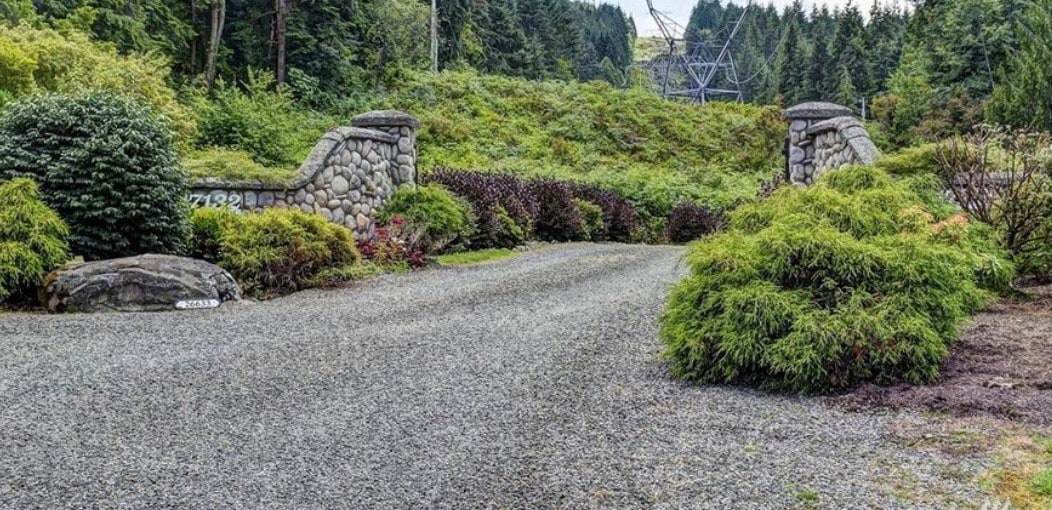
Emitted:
pixel 404 126
pixel 801 146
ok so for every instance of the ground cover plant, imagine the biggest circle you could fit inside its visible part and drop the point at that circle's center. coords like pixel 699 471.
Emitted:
pixel 32 239
pixel 275 252
pixel 106 165
pixel 854 279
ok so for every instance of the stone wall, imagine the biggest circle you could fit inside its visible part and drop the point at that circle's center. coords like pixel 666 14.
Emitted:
pixel 348 177
pixel 822 137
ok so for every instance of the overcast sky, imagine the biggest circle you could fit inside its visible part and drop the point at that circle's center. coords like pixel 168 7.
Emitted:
pixel 680 9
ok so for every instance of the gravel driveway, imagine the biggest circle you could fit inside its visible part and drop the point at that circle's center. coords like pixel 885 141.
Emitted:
pixel 533 382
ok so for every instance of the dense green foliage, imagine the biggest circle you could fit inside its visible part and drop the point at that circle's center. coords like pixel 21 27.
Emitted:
pixel 45 60
pixel 32 238
pixel 324 48
pixel 851 280
pixel 277 251
pixel 267 126
pixel 1023 95
pixel 107 166
pixel 437 220
pixel 798 56
pixel 912 161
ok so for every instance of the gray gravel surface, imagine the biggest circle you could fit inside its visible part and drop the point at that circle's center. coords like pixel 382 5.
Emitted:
pixel 533 382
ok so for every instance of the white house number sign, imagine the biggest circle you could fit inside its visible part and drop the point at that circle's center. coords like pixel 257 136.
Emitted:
pixel 218 199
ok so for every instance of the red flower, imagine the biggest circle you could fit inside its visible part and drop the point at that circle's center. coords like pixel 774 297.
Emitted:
pixel 398 220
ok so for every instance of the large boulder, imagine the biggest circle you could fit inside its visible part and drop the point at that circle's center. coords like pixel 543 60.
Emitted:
pixel 148 283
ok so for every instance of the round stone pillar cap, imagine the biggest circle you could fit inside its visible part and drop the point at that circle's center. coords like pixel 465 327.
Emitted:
pixel 816 111
pixel 385 118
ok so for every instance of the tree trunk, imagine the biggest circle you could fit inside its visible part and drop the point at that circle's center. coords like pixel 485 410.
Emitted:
pixel 434 36
pixel 280 29
pixel 192 68
pixel 216 22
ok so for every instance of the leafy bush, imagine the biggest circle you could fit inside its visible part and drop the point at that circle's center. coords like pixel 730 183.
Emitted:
pixel 32 238
pixel 592 215
pixel 274 252
pixel 690 222
pixel 437 220
pixel 619 217
pixel 265 124
pixel 34 60
pixel 821 288
pixel 106 165
pixel 504 205
pixel 1004 179
pixel 504 231
pixel 558 217
pixel 207 226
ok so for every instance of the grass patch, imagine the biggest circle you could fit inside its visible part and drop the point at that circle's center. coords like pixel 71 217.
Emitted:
pixel 1024 473
pixel 475 257
pixel 350 273
pixel 1042 484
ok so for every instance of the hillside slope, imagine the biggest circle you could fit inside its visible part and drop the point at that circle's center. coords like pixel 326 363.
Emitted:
pixel 656 152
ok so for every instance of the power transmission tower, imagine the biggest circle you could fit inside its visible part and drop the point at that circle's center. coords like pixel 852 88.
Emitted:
pixel 701 71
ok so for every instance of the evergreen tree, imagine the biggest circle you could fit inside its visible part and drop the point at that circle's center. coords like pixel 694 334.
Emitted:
pixel 820 76
pixel 884 36
pixel 846 93
pixel 911 92
pixel 792 65
pixel 851 52
pixel 1023 96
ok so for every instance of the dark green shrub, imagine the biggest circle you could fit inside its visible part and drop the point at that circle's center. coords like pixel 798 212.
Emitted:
pixel 620 220
pixel 32 238
pixel 558 217
pixel 105 165
pixel 690 222
pixel 277 251
pixel 822 288
pixel 592 215
pixel 436 220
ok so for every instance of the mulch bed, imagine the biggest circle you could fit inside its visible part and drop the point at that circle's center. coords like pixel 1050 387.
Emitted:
pixel 1002 367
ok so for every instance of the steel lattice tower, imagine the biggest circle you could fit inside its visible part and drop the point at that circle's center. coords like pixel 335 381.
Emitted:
pixel 701 71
